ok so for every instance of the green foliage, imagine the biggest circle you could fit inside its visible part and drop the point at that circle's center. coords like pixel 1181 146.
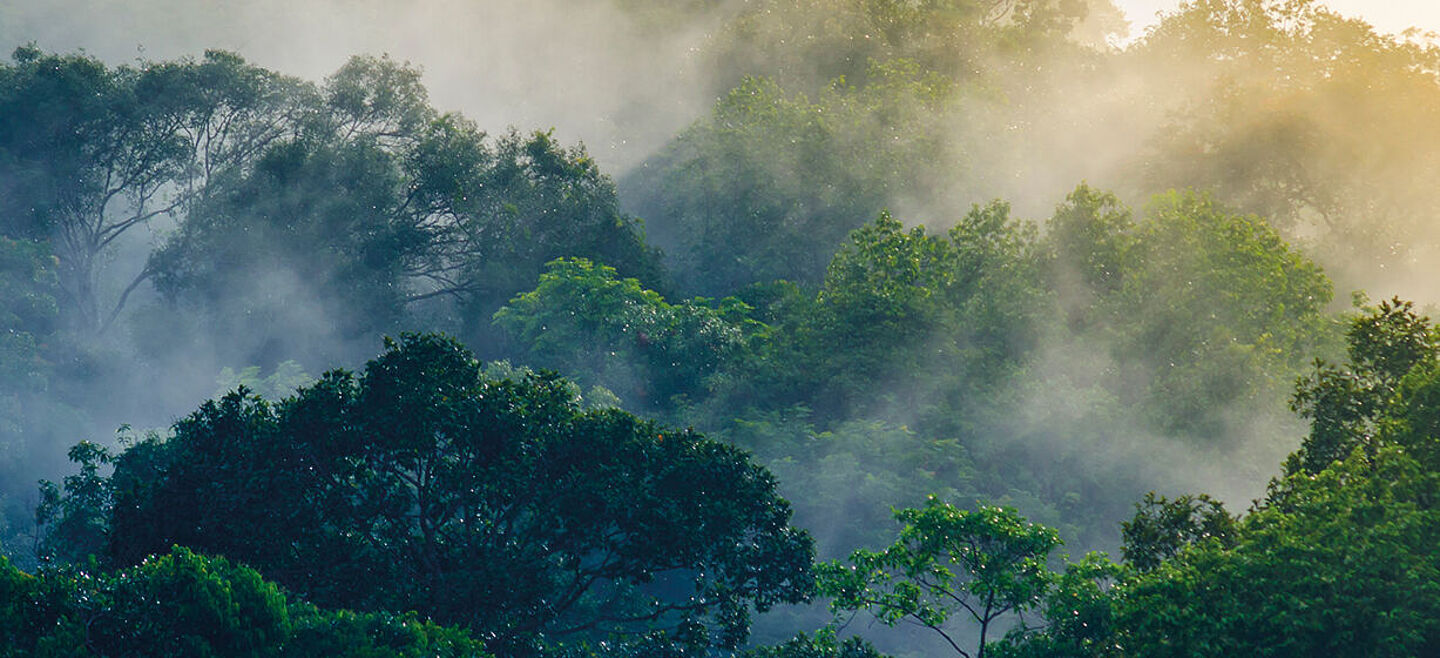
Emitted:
pixel 1344 403
pixel 980 565
pixel 1078 613
pixel 928 320
pixel 499 505
pixel 1341 563
pixel 582 319
pixel 318 632
pixel 77 517
pixel 1268 294
pixel 183 604
pixel 1090 238
pixel 1202 309
pixel 1161 528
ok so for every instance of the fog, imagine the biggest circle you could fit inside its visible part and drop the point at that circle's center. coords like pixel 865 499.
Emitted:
pixel 1327 131
pixel 593 71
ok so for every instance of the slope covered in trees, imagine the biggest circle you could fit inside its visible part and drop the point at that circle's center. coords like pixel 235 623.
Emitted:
pixel 958 264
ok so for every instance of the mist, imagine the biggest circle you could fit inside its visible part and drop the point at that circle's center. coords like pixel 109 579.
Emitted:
pixel 620 77
pixel 730 159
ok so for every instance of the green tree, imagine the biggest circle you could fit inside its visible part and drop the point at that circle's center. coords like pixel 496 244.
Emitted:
pixel 1202 309
pixel 89 152
pixel 1161 528
pixel 183 604
pixel 1338 563
pixel 584 320
pixel 981 565
pixel 377 209
pixel 1079 617
pixel 821 644
pixel 76 515
pixel 934 321
pixel 1089 241
pixel 1344 403
pixel 498 505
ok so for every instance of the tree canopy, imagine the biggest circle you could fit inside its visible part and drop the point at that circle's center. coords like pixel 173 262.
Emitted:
pixel 182 604
pixel 497 505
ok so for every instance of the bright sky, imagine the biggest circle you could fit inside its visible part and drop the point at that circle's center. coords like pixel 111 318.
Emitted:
pixel 1386 15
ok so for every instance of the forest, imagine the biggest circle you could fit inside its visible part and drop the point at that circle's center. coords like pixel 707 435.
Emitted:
pixel 852 328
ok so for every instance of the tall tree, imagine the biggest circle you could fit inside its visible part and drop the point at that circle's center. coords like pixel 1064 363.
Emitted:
pixel 376 205
pixel 499 505
pixel 89 152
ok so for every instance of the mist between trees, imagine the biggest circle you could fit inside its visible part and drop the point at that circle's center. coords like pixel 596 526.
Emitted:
pixel 941 291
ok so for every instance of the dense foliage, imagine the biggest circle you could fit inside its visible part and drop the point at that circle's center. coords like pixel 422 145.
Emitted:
pixel 907 299
pixel 182 604
pixel 421 484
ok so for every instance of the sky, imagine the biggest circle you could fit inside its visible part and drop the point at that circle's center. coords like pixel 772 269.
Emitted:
pixel 1390 16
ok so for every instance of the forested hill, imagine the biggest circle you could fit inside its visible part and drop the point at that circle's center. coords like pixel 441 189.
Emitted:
pixel 861 311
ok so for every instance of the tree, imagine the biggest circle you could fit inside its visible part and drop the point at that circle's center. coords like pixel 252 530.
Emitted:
pixel 1202 309
pixel 90 152
pixel 1345 403
pixel 378 208
pixel 930 319
pixel 1335 563
pixel 582 319
pixel 1162 528
pixel 1089 241
pixel 76 514
pixel 183 604
pixel 498 505
pixel 981 565
pixel 1079 618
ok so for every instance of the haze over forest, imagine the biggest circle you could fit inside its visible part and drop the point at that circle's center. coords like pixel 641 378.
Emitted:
pixel 682 327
